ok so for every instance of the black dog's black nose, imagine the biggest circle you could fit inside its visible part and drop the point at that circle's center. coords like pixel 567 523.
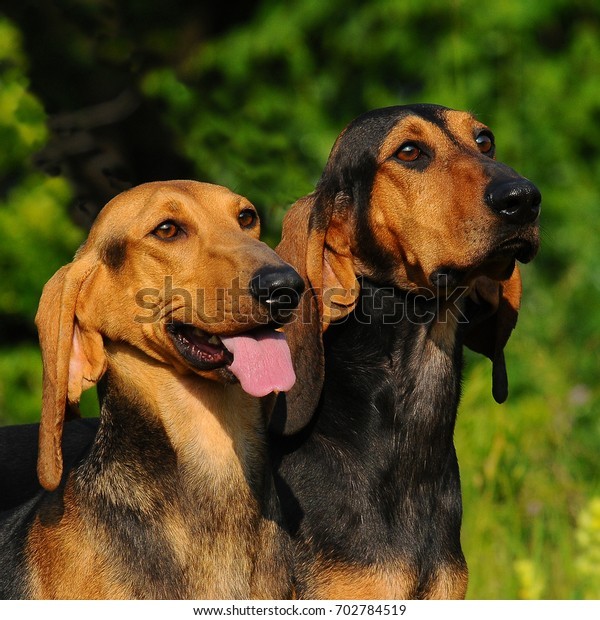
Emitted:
pixel 517 201
pixel 278 287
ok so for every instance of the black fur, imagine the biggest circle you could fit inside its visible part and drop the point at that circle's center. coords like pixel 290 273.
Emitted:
pixel 114 254
pixel 21 495
pixel 14 527
pixel 350 172
pixel 375 477
pixel 18 457
pixel 373 480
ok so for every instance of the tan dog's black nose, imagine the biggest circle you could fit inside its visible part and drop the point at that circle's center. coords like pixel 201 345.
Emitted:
pixel 278 287
pixel 517 201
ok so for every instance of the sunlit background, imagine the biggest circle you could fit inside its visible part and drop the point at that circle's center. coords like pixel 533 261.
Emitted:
pixel 97 95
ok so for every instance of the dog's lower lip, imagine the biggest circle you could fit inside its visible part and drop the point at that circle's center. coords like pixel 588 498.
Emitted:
pixel 200 349
pixel 517 248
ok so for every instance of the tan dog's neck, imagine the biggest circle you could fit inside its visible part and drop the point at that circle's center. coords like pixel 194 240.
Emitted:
pixel 196 453
pixel 212 428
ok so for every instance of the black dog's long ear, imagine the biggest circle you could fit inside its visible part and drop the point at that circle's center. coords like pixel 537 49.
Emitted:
pixel 293 409
pixel 500 302
pixel 315 241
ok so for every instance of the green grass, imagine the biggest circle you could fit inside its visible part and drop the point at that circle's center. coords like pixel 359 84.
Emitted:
pixel 526 484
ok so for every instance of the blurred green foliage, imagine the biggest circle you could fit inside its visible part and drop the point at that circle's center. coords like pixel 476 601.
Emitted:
pixel 588 537
pixel 38 236
pixel 257 108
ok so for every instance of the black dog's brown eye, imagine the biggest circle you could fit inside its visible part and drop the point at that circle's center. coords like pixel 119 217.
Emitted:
pixel 408 152
pixel 485 142
pixel 247 218
pixel 166 230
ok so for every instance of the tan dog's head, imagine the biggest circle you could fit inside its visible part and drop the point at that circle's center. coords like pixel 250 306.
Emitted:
pixel 411 197
pixel 177 271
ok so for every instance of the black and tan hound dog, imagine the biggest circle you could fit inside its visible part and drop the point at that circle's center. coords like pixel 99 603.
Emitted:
pixel 170 307
pixel 408 247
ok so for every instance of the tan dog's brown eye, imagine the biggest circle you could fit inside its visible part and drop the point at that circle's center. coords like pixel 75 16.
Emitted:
pixel 408 152
pixel 247 218
pixel 167 230
pixel 485 142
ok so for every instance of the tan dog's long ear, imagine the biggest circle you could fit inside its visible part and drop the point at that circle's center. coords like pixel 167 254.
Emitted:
pixel 73 359
pixel 489 335
pixel 316 244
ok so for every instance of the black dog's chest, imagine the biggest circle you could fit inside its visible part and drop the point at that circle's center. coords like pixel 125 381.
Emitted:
pixel 377 469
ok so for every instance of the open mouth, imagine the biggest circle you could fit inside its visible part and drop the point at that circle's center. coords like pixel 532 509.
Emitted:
pixel 259 359
pixel 199 349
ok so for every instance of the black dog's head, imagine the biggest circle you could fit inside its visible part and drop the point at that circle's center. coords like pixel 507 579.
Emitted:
pixel 422 196
pixel 413 197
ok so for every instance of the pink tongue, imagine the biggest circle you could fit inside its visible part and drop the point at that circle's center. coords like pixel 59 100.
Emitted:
pixel 261 361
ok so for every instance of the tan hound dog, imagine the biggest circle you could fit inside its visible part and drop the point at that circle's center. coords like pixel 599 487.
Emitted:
pixel 169 306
